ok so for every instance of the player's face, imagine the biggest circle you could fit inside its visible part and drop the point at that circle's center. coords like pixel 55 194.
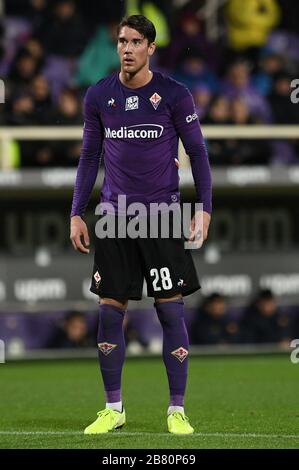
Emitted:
pixel 133 49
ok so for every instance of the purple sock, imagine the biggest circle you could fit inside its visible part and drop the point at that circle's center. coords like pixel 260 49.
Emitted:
pixel 175 348
pixel 111 345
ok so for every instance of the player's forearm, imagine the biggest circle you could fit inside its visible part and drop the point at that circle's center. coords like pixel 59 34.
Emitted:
pixel 186 122
pixel 202 175
pixel 90 154
pixel 85 180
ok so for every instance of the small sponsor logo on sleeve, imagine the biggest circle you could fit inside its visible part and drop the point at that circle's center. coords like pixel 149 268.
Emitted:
pixel 191 117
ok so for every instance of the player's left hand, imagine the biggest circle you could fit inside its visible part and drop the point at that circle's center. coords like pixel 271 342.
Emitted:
pixel 199 227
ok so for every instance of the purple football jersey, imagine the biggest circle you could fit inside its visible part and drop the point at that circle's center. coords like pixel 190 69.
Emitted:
pixel 137 132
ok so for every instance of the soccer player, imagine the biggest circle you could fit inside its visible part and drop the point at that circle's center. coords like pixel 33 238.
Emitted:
pixel 134 118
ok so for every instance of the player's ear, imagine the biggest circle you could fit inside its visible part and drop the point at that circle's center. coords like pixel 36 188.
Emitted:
pixel 151 48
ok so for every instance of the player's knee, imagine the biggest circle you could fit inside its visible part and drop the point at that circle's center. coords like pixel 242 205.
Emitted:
pixel 116 303
pixel 170 315
pixel 171 299
pixel 110 317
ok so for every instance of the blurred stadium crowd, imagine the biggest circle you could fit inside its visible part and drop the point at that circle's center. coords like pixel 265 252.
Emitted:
pixel 239 71
pixel 213 322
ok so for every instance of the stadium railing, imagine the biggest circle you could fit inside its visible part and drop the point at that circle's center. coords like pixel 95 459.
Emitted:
pixel 9 134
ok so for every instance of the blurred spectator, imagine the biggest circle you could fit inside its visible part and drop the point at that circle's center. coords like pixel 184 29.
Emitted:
pixel 238 84
pixel 250 23
pixel 219 114
pixel 24 69
pixel 22 110
pixel 188 35
pixel 73 333
pixel 287 45
pixel 23 17
pixel 269 65
pixel 35 108
pixel 193 71
pixel 64 33
pixel 263 321
pixel 15 32
pixel 133 337
pixel 202 99
pixel 40 93
pixel 100 56
pixel 240 113
pixel 34 48
pixel 212 324
pixel 68 113
pixel 245 151
pixel 219 111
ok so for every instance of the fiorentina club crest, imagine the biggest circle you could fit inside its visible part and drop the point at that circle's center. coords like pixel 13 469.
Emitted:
pixel 106 348
pixel 97 278
pixel 155 99
pixel 180 353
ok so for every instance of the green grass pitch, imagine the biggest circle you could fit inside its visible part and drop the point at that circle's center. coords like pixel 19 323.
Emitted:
pixel 232 402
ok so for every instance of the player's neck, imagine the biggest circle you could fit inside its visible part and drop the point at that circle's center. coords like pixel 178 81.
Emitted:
pixel 142 78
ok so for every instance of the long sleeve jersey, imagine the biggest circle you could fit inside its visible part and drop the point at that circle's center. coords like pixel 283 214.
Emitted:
pixel 137 132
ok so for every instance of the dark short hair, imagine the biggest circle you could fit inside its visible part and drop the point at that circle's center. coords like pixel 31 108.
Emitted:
pixel 70 316
pixel 139 22
pixel 265 294
pixel 213 297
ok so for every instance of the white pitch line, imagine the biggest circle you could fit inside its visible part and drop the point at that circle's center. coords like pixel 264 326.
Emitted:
pixel 153 434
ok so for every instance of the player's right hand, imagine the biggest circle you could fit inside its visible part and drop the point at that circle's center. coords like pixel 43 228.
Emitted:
pixel 79 231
